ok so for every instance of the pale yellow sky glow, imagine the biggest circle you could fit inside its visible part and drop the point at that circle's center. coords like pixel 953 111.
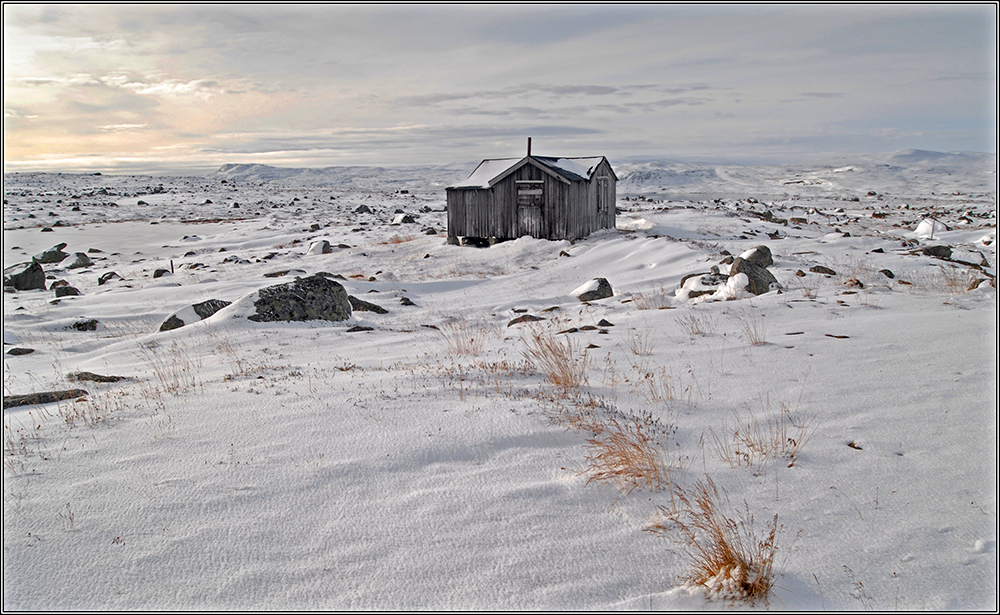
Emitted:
pixel 187 88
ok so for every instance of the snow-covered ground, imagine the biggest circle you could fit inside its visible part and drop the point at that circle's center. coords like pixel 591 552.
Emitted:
pixel 428 463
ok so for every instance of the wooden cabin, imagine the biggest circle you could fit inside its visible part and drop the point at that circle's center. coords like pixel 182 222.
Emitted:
pixel 540 196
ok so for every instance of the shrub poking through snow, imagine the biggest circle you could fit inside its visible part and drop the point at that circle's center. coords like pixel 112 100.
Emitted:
pixel 730 560
pixel 557 359
pixel 628 453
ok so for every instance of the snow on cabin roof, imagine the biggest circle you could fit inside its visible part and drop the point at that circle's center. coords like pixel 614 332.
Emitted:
pixel 577 169
pixel 487 170
pixel 573 168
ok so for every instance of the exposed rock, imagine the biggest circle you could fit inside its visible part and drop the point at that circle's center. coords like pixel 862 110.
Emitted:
pixel 192 314
pixel 210 307
pixel 363 209
pixel 760 256
pixel 159 273
pixel 359 305
pixel 80 259
pixel 759 278
pixel 24 276
pixel 320 247
pixel 887 273
pixel 282 273
pixel 111 275
pixel 52 255
pixel 604 323
pixel 524 318
pixel 312 298
pixel 598 288
pixel 92 377
pixel 406 301
pixel 47 397
pixel 14 352
pixel 85 325
pixel 937 251
pixel 359 328
pixel 822 269
pixel 405 219
pixel 67 291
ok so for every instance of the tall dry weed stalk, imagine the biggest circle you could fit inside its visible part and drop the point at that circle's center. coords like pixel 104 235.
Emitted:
pixel 753 440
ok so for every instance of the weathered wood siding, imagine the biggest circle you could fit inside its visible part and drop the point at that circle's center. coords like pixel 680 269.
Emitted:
pixel 568 209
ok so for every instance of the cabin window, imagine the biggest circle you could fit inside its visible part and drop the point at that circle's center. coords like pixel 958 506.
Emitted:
pixel 530 193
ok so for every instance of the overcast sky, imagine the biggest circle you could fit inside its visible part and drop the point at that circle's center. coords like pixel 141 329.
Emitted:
pixel 163 89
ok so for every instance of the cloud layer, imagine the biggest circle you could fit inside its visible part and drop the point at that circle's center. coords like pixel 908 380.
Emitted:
pixel 169 88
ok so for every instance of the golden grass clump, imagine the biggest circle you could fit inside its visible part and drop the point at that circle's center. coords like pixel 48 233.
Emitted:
pixel 627 454
pixel 729 558
pixel 562 365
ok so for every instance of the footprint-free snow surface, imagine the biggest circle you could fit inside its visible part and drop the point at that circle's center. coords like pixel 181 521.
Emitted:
pixel 437 456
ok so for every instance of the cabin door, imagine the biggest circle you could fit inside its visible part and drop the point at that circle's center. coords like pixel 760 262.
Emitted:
pixel 530 201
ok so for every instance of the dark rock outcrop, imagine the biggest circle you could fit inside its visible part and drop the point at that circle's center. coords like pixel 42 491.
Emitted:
pixel 359 305
pixel 311 298
pixel 759 278
pixel 67 291
pixel 24 276
pixel 184 316
pixel 937 251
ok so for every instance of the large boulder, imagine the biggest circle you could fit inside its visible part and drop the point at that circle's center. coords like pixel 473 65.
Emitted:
pixel 311 298
pixel 192 314
pixel 759 279
pixel 24 276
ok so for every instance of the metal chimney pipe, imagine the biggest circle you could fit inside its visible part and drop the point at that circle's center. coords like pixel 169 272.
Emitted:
pixel 529 146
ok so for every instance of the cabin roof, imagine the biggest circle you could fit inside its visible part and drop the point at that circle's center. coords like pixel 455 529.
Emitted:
pixel 490 172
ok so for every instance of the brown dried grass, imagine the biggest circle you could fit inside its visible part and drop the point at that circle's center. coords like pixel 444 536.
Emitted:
pixel 729 558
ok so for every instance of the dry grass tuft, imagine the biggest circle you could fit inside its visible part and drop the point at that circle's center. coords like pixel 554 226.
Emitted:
pixel 752 326
pixel 696 325
pixel 753 441
pixel 628 453
pixel 655 300
pixel 557 358
pixel 729 559
pixel 398 239
pixel 465 338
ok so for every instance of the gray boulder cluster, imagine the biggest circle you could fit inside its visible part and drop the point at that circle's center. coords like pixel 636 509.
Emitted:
pixel 753 264
pixel 31 276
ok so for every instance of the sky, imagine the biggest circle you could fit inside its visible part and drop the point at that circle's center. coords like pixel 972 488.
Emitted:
pixel 167 89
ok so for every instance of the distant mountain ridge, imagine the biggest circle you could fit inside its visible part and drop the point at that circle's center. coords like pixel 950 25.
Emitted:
pixel 847 176
pixel 423 178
